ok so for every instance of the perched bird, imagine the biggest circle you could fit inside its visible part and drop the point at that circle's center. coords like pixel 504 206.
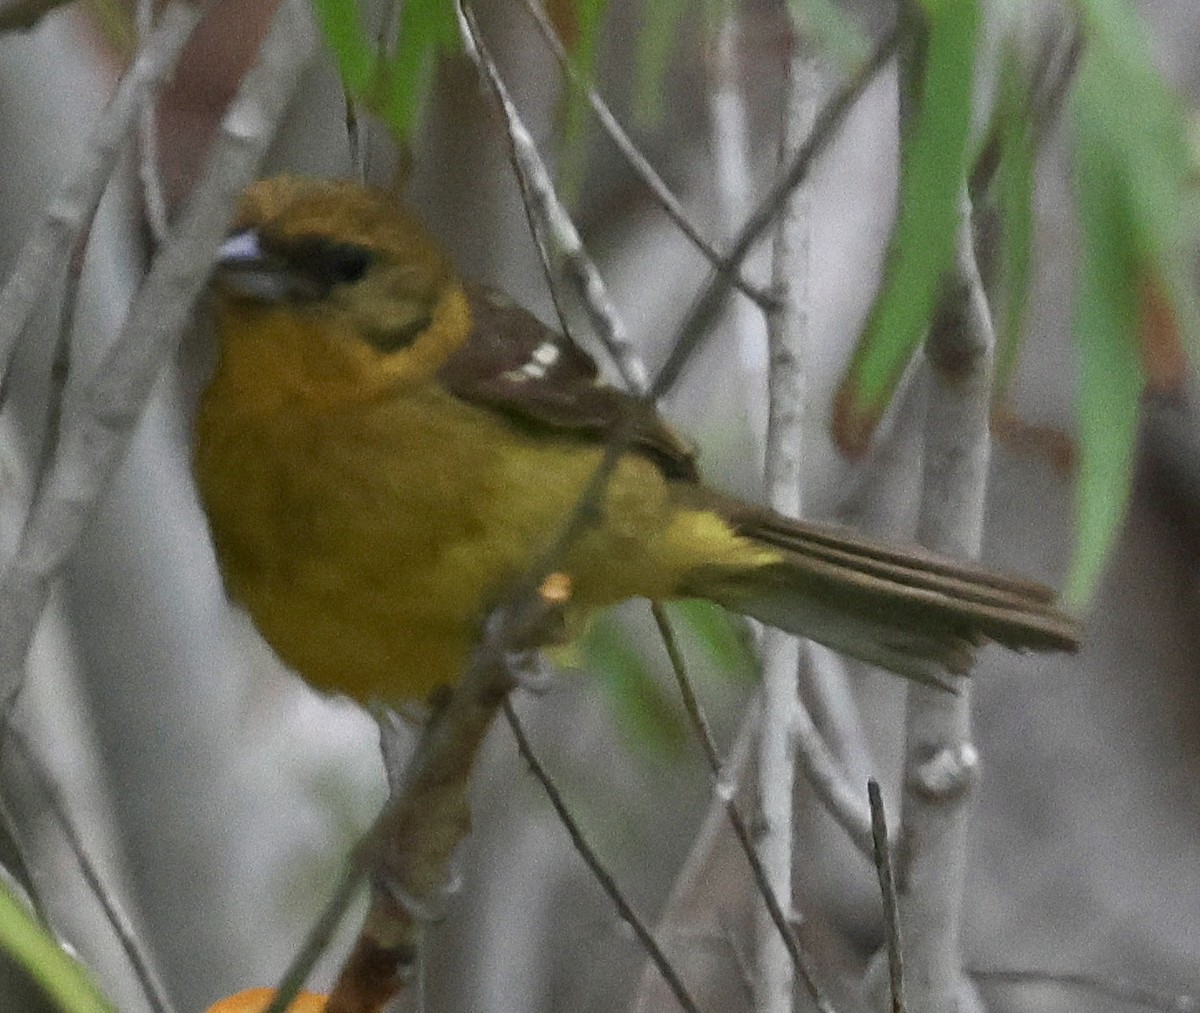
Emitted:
pixel 384 448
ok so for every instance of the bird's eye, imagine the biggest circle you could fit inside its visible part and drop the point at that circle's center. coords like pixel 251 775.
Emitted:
pixel 344 263
pixel 320 263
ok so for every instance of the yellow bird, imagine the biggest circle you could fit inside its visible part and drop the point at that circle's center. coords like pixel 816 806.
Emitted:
pixel 384 448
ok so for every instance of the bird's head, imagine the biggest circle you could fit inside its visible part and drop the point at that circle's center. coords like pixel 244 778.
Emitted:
pixel 334 250
pixel 335 290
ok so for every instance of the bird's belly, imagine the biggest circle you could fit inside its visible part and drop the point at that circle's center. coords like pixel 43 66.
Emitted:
pixel 362 645
pixel 368 561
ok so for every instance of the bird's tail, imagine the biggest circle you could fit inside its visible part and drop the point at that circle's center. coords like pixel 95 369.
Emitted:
pixel 908 610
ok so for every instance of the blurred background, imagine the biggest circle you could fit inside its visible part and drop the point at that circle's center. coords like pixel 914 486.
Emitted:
pixel 220 795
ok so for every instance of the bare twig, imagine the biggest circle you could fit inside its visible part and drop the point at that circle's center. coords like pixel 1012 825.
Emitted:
pixel 60 361
pixel 12 885
pixel 535 183
pixel 319 936
pixel 641 167
pixel 148 171
pixel 741 960
pixel 707 305
pixel 394 732
pixel 787 338
pixel 408 849
pixel 1053 86
pixel 694 878
pixel 1114 988
pixel 582 516
pixel 941 763
pixel 100 413
pixel 387 954
pixel 537 196
pixel 538 188
pixel 597 868
pixel 727 793
pixel 828 781
pixel 122 926
pixel 52 238
pixel 836 712
pixel 691 703
pixel 887 890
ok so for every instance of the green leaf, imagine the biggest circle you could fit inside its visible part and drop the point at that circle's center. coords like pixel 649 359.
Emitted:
pixel 427 28
pixel 1131 171
pixel 719 634
pixel 648 719
pixel 656 42
pixel 61 977
pixel 341 25
pixel 393 88
pixel 1110 378
pixel 931 177
pixel 1123 105
pixel 1018 160
pixel 572 163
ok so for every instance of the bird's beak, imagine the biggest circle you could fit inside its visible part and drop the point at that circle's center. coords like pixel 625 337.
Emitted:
pixel 245 269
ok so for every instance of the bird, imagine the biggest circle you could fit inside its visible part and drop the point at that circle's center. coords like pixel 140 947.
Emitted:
pixel 384 448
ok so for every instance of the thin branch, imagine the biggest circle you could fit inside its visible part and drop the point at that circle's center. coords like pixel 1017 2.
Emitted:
pixel 740 960
pixel 1114 988
pixel 704 310
pixel 837 713
pixel 360 129
pixel 321 934
pixel 101 412
pixel 51 239
pixel 694 878
pixel 1054 85
pixel 887 889
pixel 535 182
pixel 824 129
pixel 60 361
pixel 787 338
pixel 118 920
pixel 691 703
pixel 536 185
pixel 642 167
pixel 941 763
pixel 727 793
pixel 408 851
pixel 394 733
pixel 148 168
pixel 597 867
pixel 388 35
pixel 532 177
pixel 828 781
